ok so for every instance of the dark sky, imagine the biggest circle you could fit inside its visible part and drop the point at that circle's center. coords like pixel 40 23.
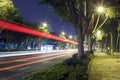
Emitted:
pixel 31 11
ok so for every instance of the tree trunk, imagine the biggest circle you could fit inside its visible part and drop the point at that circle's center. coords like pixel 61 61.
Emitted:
pixel 89 41
pixel 91 44
pixel 117 43
pixel 111 43
pixel 80 46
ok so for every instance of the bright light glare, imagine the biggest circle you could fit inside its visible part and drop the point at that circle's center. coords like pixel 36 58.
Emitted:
pixel 63 33
pixel 44 24
pixel 70 36
pixel 100 9
pixel 98 32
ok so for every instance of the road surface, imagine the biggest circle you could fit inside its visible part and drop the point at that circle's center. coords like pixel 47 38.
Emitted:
pixel 16 67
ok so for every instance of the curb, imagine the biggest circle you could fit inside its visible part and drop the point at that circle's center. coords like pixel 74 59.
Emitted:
pixel 89 65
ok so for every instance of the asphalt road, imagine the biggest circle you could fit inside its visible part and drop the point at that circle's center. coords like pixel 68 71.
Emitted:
pixel 16 67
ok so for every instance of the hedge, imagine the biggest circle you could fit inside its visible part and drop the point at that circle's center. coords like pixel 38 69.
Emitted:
pixel 68 70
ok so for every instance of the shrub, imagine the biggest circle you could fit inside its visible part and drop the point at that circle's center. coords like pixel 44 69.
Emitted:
pixel 79 73
pixel 68 70
pixel 56 72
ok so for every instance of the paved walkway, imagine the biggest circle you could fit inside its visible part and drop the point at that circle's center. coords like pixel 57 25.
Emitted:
pixel 104 67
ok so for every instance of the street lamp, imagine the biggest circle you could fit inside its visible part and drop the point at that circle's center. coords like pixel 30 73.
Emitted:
pixel 70 36
pixel 44 24
pixel 100 9
pixel 63 33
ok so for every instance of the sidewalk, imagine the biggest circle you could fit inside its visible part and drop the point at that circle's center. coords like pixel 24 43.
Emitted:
pixel 104 67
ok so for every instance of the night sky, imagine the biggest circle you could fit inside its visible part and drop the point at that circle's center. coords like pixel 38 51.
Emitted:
pixel 34 13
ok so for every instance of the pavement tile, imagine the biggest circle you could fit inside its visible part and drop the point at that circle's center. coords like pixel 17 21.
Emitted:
pixel 104 67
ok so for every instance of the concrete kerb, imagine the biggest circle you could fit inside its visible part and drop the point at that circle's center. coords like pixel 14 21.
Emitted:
pixel 89 65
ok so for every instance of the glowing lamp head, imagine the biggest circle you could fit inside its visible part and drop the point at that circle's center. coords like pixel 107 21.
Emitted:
pixel 70 36
pixel 100 9
pixel 44 24
pixel 63 33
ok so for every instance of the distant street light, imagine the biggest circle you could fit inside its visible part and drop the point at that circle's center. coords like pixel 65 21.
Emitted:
pixel 44 24
pixel 63 33
pixel 70 36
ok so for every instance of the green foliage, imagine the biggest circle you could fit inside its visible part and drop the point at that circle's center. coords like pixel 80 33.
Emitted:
pixel 113 12
pixel 43 29
pixel 111 25
pixel 78 73
pixel 100 35
pixel 59 72
pixel 60 7
pixel 55 72
pixel 62 36
pixel 63 71
pixel 8 11
pixel 112 8
pixel 63 8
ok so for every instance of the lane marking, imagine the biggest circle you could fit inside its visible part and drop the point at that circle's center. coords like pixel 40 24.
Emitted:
pixel 18 74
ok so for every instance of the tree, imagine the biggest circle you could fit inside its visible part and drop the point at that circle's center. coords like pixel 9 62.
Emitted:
pixel 43 29
pixel 110 27
pixel 108 20
pixel 118 38
pixel 62 45
pixel 78 13
pixel 39 40
pixel 62 36
pixel 8 11
pixel 99 35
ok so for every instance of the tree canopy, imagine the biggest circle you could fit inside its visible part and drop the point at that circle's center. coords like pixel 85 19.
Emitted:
pixel 79 13
pixel 43 29
pixel 8 11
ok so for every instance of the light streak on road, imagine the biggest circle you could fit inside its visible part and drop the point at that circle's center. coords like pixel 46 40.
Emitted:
pixel 30 58
pixel 23 59
pixel 24 65
pixel 20 53
pixel 28 63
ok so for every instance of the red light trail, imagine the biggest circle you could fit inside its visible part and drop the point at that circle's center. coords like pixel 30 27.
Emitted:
pixel 24 29
pixel 28 63
pixel 29 58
